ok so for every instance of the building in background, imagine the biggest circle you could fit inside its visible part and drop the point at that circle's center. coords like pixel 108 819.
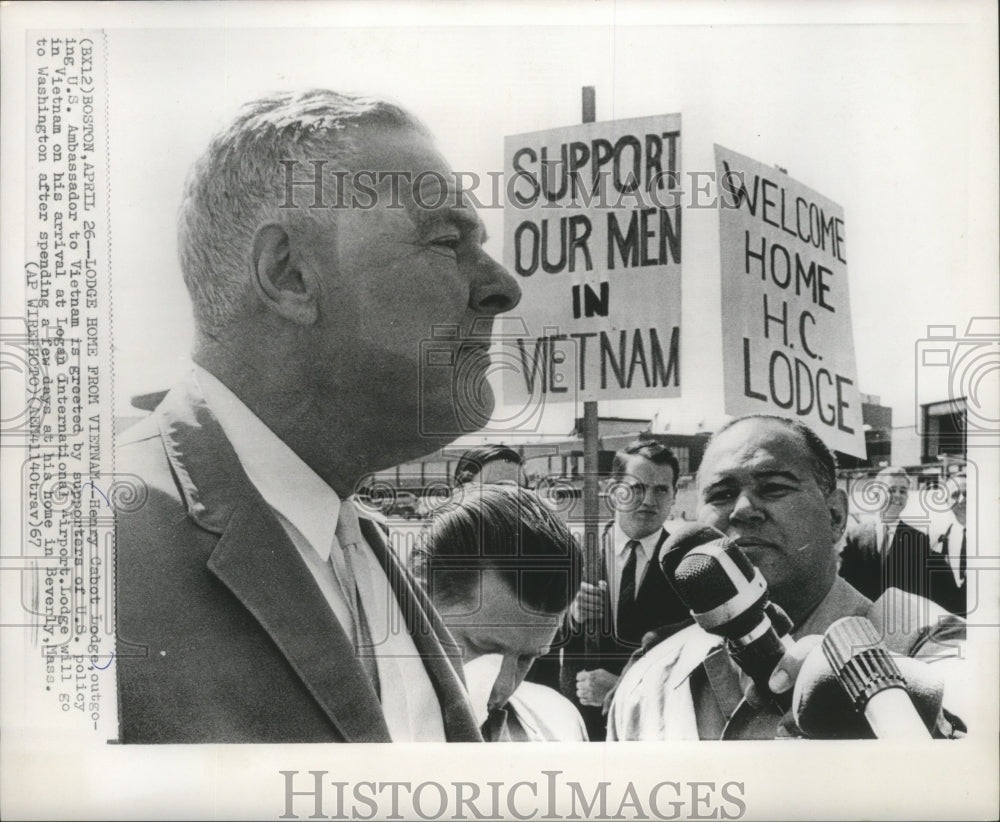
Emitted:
pixel 939 434
pixel 554 466
pixel 932 448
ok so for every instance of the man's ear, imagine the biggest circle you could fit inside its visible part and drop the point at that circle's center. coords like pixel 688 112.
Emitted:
pixel 279 280
pixel 837 502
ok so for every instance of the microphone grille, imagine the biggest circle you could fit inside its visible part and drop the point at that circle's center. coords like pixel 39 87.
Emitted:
pixel 681 541
pixel 702 583
pixel 860 660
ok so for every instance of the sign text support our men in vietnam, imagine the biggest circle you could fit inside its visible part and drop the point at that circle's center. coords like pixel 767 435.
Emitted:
pixel 592 232
pixel 786 322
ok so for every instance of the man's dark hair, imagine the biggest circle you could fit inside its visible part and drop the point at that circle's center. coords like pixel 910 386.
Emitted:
pixel 500 528
pixel 821 458
pixel 652 450
pixel 475 459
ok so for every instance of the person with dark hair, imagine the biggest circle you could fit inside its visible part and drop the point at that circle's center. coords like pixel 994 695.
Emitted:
pixel 253 603
pixel 771 487
pixel 501 568
pixel 490 463
pixel 632 595
pixel 883 551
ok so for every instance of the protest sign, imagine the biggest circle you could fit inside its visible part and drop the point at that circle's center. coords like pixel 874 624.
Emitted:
pixel 787 343
pixel 592 232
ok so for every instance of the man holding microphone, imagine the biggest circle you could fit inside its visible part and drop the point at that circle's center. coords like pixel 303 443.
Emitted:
pixel 769 485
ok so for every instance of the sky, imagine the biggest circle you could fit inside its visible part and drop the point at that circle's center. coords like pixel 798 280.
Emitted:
pixel 886 120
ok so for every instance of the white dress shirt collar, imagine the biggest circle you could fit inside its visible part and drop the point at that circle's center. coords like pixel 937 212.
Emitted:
pixel 480 676
pixel 309 511
pixel 285 482
pixel 648 542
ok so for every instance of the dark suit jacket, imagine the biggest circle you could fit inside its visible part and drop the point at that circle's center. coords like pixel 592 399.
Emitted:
pixel 655 600
pixel 223 634
pixel 905 565
pixel 944 590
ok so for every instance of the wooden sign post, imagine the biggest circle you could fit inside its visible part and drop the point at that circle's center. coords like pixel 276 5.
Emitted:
pixel 591 489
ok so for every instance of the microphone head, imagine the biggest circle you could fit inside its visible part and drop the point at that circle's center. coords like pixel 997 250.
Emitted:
pixel 860 659
pixel 683 539
pixel 712 574
pixel 833 688
pixel 725 593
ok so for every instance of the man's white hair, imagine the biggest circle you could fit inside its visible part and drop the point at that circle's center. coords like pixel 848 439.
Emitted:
pixel 239 184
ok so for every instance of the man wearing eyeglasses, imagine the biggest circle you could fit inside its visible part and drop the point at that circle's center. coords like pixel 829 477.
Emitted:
pixel 632 596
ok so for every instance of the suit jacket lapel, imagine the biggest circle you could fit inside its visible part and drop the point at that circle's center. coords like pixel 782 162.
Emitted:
pixel 258 563
pixel 607 574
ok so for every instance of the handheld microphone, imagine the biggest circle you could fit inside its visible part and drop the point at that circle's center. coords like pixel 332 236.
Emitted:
pixel 872 679
pixel 728 597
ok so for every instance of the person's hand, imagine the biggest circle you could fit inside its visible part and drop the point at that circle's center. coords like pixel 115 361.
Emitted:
pixel 593 686
pixel 785 673
pixel 588 605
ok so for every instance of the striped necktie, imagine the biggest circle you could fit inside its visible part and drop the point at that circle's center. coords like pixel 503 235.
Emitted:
pixel 962 560
pixel 386 650
pixel 349 569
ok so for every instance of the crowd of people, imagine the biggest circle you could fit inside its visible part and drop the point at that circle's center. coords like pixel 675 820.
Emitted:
pixel 254 604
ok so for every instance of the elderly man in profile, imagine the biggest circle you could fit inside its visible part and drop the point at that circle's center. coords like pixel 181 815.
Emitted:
pixel 253 604
pixel 769 484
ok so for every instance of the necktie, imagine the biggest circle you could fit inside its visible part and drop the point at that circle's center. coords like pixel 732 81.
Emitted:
pixel 410 704
pixel 885 539
pixel 627 616
pixel 349 569
pixel 495 729
pixel 951 555
pixel 962 561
